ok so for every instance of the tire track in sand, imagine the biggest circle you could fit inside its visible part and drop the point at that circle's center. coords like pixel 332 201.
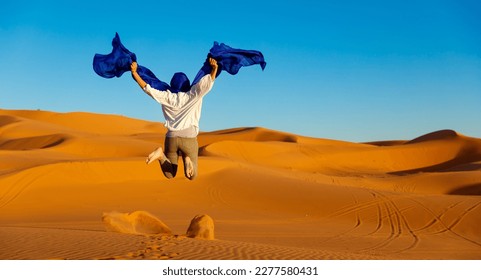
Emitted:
pixel 388 214
pixel 401 224
pixel 449 227
pixel 382 212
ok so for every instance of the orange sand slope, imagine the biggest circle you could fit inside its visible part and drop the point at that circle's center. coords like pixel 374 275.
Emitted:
pixel 272 195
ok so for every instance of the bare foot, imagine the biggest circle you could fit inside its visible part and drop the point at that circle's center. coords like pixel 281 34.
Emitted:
pixel 189 167
pixel 155 155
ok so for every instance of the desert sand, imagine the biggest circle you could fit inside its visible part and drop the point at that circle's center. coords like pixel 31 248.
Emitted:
pixel 270 194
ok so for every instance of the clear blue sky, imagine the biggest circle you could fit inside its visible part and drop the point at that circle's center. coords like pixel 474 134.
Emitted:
pixel 347 70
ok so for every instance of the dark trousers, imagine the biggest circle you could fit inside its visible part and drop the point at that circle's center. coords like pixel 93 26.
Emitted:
pixel 185 147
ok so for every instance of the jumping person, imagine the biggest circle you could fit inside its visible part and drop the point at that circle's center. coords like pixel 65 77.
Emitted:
pixel 182 112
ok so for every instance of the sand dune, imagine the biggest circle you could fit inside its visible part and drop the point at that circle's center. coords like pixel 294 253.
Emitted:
pixel 271 194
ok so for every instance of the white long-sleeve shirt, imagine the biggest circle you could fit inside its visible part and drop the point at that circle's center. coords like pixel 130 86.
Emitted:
pixel 182 110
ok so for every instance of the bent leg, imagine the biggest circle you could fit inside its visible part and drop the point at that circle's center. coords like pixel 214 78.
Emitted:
pixel 169 164
pixel 190 155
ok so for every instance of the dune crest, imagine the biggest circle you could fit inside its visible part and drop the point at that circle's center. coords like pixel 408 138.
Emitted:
pixel 257 134
pixel 436 135
pixel 7 120
pixel 35 142
pixel 137 222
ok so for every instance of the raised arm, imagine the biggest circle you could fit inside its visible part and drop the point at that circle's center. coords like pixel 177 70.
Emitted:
pixel 135 75
pixel 204 85
pixel 213 63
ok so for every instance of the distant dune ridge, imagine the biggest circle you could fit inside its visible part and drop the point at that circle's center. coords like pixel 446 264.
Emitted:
pixel 76 186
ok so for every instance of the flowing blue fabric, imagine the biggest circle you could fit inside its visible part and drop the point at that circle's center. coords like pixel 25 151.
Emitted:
pixel 228 59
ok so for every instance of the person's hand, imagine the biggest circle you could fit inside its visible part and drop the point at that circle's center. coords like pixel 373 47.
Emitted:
pixel 133 67
pixel 213 62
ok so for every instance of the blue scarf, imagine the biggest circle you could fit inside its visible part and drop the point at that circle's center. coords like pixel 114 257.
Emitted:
pixel 228 59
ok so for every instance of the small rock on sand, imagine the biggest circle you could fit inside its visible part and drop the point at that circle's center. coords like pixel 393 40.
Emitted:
pixel 201 226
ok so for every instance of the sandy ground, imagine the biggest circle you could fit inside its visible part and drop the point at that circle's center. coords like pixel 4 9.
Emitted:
pixel 272 195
